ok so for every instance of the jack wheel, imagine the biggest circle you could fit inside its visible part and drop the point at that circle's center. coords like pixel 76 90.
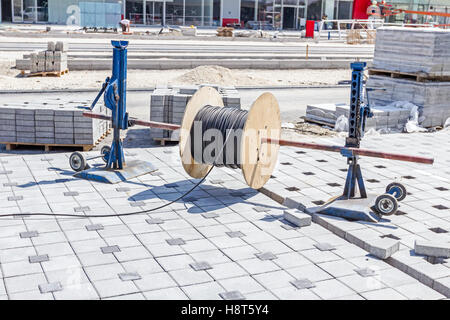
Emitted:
pixel 397 190
pixel 77 161
pixel 386 204
pixel 105 152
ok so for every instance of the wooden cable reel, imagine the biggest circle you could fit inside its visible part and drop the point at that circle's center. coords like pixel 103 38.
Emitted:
pixel 258 158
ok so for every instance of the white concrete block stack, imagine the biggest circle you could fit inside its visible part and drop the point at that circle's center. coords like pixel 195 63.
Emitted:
pixel 54 59
pixel 384 117
pixel 168 105
pixel 419 60
pixel 413 50
pixel 51 122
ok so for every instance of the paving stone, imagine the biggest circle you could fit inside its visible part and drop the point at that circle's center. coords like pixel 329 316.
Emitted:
pixel 15 198
pixel 330 289
pixel 176 242
pixel 303 284
pixel 237 194
pixel 298 218
pixel 10 184
pixel 94 227
pixel 129 276
pixel 81 209
pixel 123 189
pixel 289 226
pixel 110 249
pixel 261 209
pixel 210 215
pixel 29 234
pixel 235 234
pixel 266 256
pixel 171 185
pixel 366 272
pixel 50 287
pixel 37 259
pixel 154 221
pixel 216 181
pixel 138 204
pixel 324 246
pixel 383 248
pixel 71 194
pixel 200 266
pixel 232 295
pixel 432 249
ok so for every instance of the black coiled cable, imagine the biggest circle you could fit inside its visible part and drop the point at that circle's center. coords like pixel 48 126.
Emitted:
pixel 228 124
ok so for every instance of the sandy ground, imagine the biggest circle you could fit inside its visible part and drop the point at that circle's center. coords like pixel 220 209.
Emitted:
pixel 10 78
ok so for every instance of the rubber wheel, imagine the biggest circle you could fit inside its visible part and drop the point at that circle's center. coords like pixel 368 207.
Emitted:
pixel 397 190
pixel 77 161
pixel 105 151
pixel 386 204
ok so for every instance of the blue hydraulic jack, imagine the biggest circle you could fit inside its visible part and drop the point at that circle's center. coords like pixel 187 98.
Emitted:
pixel 114 91
pixel 349 205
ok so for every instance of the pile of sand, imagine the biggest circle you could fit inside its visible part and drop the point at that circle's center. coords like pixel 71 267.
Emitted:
pixel 219 75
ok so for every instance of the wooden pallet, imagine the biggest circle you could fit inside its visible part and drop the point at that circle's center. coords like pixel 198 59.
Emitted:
pixel 418 77
pixel 48 146
pixel 163 141
pixel 53 146
pixel 44 73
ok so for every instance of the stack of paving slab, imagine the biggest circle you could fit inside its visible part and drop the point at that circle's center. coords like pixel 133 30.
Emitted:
pixel 51 122
pixel 420 54
pixel 54 59
pixel 384 117
pixel 168 105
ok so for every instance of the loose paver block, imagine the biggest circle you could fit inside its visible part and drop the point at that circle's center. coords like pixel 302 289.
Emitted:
pixel 232 295
pixel 432 249
pixel 303 284
pixel 298 218
pixel 15 198
pixel 199 266
pixel 383 248
pixel 82 209
pixel 129 276
pixel 50 287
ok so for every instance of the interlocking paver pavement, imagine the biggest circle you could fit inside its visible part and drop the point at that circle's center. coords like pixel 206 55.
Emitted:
pixel 219 225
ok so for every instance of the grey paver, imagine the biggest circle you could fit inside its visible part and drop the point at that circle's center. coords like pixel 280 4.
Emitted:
pixel 50 287
pixel 29 234
pixel 324 246
pixel 110 249
pixel 232 295
pixel 366 272
pixel 303 284
pixel 266 256
pixel 94 227
pixel 37 259
pixel 199 266
pixel 129 276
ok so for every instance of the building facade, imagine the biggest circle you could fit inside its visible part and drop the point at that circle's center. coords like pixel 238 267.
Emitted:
pixel 270 14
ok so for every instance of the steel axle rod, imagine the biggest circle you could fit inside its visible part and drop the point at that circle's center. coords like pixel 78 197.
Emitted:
pixel 305 145
pixel 355 151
